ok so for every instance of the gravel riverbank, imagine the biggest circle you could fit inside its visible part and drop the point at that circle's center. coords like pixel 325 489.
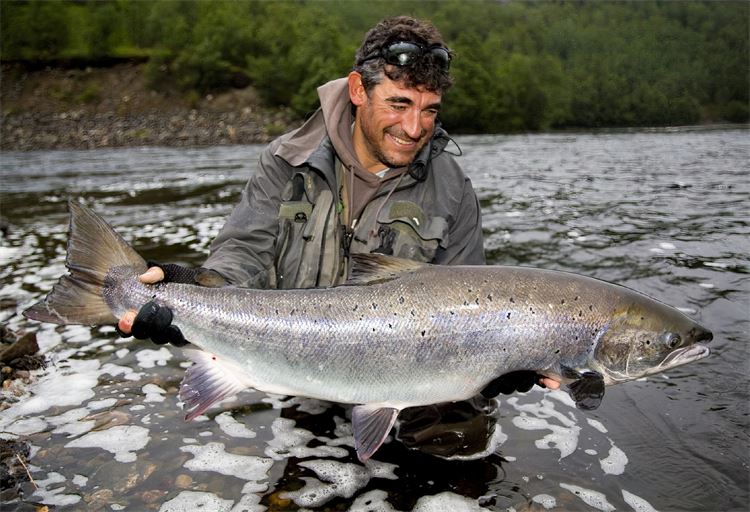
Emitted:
pixel 110 107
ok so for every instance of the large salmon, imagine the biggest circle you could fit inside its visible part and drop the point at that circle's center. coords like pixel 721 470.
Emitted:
pixel 400 334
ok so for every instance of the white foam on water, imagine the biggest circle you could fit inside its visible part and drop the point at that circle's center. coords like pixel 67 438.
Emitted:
pixel 105 403
pixel 80 480
pixel 372 501
pixel 447 501
pixel 545 500
pixel 122 440
pixel 232 427
pixel 77 334
pixel 213 457
pixel 153 393
pixel 47 338
pixel 72 385
pixel 535 416
pixel 148 358
pixel 70 422
pixel 54 496
pixel 591 452
pixel 637 503
pixel 614 463
pixel 308 405
pixel 337 479
pixel 289 441
pixel 667 246
pixel 593 499
pixel 597 425
pixel 190 501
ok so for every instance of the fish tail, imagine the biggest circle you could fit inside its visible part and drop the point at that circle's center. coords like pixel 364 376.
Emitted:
pixel 93 249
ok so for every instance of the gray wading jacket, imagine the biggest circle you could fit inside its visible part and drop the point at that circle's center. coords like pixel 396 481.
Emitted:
pixel 286 231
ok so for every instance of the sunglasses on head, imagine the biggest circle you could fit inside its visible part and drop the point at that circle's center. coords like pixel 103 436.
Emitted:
pixel 404 53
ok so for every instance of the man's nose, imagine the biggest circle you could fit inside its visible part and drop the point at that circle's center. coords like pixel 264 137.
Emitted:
pixel 411 124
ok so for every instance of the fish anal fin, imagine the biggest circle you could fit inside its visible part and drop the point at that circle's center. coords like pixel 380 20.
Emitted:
pixel 587 390
pixel 371 424
pixel 209 380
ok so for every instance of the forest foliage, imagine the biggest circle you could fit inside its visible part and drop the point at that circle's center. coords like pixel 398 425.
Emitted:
pixel 518 66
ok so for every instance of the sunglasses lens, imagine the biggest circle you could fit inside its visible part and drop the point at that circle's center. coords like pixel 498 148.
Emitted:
pixel 406 54
pixel 442 57
pixel 402 54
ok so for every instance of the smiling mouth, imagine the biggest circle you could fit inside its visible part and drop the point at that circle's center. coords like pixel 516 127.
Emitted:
pixel 405 143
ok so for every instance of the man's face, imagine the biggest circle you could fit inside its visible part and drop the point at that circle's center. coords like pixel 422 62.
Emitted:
pixel 392 123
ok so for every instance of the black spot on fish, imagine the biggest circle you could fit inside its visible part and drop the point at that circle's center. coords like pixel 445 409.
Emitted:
pixel 648 342
pixel 489 297
pixel 507 315
pixel 466 303
pixel 291 313
pixel 591 307
pixel 476 301
pixel 562 301
pixel 390 326
pixel 577 297
pixel 452 312
pixel 557 351
pixel 401 300
pixel 423 332
pixel 374 306
pixel 356 306
pixel 511 300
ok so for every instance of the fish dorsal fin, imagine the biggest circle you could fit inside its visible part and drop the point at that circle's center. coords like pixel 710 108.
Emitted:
pixel 371 425
pixel 587 390
pixel 209 380
pixel 378 268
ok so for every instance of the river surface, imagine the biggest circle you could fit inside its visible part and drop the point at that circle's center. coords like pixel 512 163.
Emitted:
pixel 666 212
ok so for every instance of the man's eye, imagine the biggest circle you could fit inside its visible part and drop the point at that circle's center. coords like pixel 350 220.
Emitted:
pixel 399 108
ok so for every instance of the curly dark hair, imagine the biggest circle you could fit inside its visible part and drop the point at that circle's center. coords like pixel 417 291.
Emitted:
pixel 426 72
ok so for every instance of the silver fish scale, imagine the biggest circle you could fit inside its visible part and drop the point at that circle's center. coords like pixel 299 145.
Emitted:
pixel 431 335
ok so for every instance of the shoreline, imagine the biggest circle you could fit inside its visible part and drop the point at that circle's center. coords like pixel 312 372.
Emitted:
pixel 58 108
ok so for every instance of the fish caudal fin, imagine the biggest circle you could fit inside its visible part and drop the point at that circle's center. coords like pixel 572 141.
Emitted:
pixel 371 425
pixel 209 380
pixel 93 249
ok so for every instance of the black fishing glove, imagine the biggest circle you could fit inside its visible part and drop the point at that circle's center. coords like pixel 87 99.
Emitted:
pixel 154 321
pixel 521 381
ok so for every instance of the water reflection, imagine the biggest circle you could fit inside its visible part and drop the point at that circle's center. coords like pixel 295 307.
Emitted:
pixel 664 213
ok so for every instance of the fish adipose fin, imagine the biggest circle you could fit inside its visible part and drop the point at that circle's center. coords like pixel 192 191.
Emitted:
pixel 371 425
pixel 93 249
pixel 209 380
pixel 587 390
pixel 377 268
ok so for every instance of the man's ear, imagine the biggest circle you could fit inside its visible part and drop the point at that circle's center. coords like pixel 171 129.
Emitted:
pixel 357 93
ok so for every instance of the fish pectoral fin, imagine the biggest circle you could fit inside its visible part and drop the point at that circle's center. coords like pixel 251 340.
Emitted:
pixel 371 425
pixel 207 381
pixel 587 390
pixel 378 268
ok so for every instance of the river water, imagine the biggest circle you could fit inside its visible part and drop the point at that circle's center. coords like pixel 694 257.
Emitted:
pixel 666 212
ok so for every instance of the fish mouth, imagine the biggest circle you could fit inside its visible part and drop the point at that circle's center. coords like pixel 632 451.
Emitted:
pixel 684 355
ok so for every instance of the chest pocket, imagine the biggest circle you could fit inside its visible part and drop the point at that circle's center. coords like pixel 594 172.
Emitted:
pixel 300 246
pixel 406 232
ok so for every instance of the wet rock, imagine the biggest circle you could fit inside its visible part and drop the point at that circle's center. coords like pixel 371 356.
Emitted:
pixel 18 358
pixel 13 457
pixel 23 346
pixel 183 481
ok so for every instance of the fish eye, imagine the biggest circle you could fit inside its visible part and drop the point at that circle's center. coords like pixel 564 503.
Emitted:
pixel 672 339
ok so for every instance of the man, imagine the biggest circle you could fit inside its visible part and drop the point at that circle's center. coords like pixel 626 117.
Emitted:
pixel 368 172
